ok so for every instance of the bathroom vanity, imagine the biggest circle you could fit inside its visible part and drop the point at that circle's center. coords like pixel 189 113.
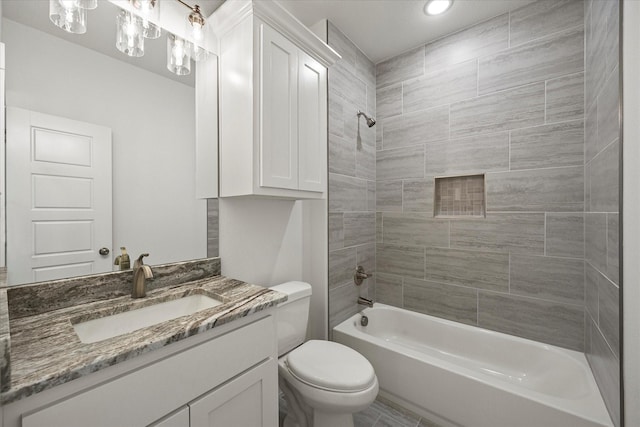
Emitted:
pixel 220 369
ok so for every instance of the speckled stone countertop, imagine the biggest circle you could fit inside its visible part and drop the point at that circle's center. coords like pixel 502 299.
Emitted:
pixel 45 350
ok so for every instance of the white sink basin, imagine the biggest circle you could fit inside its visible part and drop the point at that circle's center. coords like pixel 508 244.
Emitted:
pixel 111 326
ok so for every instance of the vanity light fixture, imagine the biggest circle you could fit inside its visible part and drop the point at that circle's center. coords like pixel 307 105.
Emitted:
pixel 178 55
pixel 68 15
pixel 129 34
pixel 195 21
pixel 437 7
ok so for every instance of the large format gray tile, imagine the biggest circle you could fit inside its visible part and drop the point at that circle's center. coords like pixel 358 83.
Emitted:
pixel 336 231
pixel 359 228
pixel 417 195
pixel 595 239
pixel 544 59
pixel 564 236
pixel 342 155
pixel 592 279
pixel 366 256
pixel 465 156
pixel 343 303
pixel 445 86
pixel 550 322
pixel 389 196
pixel 613 36
pixel 609 314
pixel 591 144
pixel 366 157
pixel 479 40
pixel 342 45
pixel 565 98
pixel 484 270
pixel 541 18
pixel 613 250
pixel 510 109
pixel 608 114
pixel 447 301
pixel 213 228
pixel 347 193
pixel 378 227
pixel 415 229
pixel 606 371
pixel 416 128
pixel 400 163
pixel 389 101
pixel 554 279
pixel 554 145
pixel 604 180
pixel 516 233
pixel 402 67
pixel 393 415
pixel 596 52
pixel 371 196
pixel 549 190
pixel 365 70
pixel 342 265
pixel 336 114
pixel 401 260
pixel 343 83
pixel 389 289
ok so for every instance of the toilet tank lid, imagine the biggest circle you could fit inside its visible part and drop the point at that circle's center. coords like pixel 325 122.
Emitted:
pixel 293 290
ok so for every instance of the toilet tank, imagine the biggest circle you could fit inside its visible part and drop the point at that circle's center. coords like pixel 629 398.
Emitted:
pixel 292 315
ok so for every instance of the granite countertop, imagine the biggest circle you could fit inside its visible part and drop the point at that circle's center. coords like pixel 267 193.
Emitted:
pixel 45 350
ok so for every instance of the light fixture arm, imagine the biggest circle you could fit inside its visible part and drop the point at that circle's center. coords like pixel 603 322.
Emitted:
pixel 195 17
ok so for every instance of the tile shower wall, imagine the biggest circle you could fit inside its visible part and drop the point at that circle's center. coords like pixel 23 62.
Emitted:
pixel 504 98
pixel 601 171
pixel 352 174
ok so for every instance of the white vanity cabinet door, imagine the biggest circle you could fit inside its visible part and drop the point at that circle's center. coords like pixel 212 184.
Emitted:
pixel 179 418
pixel 249 400
pixel 279 110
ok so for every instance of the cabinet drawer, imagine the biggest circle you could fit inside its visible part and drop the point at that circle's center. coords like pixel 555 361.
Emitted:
pixel 144 396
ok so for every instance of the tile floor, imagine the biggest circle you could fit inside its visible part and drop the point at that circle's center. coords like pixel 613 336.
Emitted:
pixel 379 414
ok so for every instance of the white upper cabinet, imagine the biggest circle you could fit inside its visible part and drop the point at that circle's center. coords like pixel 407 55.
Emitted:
pixel 273 103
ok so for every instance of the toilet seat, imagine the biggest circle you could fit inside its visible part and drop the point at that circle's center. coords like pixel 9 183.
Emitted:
pixel 330 366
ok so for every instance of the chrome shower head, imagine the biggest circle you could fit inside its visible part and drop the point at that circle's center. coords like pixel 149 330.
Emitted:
pixel 370 120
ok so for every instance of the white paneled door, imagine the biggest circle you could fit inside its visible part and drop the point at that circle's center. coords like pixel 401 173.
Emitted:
pixel 58 197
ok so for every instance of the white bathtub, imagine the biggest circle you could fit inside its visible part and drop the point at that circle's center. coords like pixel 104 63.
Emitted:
pixel 460 375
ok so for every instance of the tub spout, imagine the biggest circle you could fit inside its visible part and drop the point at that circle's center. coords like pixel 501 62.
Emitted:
pixel 365 301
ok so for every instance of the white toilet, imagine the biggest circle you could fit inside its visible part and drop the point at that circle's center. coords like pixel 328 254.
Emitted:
pixel 324 382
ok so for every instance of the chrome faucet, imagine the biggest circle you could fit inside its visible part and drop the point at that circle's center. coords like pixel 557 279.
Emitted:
pixel 365 301
pixel 141 272
pixel 360 275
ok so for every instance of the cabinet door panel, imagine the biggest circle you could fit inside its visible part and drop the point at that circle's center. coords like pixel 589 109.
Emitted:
pixel 249 401
pixel 278 116
pixel 312 123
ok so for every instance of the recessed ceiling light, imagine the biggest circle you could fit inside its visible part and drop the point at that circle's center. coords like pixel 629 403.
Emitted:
pixel 436 7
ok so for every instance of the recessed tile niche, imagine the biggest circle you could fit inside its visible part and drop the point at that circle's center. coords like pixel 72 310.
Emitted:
pixel 459 196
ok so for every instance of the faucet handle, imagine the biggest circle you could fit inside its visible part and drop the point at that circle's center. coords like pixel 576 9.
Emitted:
pixel 139 262
pixel 360 275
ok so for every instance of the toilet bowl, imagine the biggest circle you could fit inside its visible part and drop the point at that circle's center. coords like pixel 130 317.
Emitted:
pixel 324 382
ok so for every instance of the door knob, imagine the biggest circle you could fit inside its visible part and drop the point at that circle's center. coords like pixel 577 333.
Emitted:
pixel 104 251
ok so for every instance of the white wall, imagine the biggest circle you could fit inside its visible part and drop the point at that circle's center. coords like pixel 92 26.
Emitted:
pixel 269 241
pixel 631 207
pixel 152 118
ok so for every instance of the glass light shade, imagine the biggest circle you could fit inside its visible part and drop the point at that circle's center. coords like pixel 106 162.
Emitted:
pixel 197 53
pixel 148 10
pixel 178 55
pixel 129 34
pixel 66 14
pixel 87 4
